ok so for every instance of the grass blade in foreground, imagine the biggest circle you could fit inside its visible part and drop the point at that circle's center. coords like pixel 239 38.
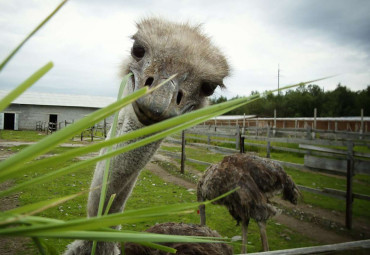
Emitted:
pixel 146 130
pixel 2 65
pixel 9 166
pixel 215 110
pixel 6 101
pixel 96 223
pixel 107 162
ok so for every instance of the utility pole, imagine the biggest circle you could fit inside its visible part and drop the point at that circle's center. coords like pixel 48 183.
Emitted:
pixel 278 79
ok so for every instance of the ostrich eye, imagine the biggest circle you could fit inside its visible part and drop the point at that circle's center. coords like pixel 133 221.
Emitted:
pixel 207 88
pixel 138 51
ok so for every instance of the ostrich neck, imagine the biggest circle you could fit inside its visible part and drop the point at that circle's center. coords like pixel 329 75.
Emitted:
pixel 124 168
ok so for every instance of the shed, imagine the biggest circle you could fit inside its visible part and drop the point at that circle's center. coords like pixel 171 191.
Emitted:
pixel 32 107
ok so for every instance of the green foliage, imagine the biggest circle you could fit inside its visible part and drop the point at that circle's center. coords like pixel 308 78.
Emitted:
pixel 301 102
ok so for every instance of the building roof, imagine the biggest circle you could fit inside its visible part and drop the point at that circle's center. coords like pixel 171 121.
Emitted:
pixel 52 99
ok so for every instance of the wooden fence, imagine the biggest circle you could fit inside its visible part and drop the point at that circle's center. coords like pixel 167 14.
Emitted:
pixel 348 247
pixel 343 162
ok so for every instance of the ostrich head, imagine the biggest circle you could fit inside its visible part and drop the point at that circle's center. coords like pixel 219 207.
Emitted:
pixel 161 49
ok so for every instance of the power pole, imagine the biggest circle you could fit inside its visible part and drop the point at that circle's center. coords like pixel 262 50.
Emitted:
pixel 278 79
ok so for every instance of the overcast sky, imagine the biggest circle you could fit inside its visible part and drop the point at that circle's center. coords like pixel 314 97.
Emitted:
pixel 88 39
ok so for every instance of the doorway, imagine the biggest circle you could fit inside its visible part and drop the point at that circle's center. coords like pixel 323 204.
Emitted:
pixel 53 121
pixel 9 121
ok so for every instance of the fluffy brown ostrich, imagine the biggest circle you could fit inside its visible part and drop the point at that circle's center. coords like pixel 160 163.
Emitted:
pixel 258 180
pixel 182 248
pixel 160 49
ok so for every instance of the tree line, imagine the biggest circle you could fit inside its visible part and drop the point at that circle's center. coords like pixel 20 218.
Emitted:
pixel 302 101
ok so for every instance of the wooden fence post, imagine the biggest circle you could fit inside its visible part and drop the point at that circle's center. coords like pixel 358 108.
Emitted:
pixel 314 123
pixel 242 144
pixel 237 138
pixel 349 195
pixel 105 128
pixel 92 133
pixel 362 124
pixel 268 149
pixel 183 156
pixel 274 127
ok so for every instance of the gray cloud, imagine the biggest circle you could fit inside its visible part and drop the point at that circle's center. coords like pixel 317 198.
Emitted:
pixel 341 21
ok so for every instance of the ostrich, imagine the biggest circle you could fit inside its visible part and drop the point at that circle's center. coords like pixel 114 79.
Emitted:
pixel 259 179
pixel 182 248
pixel 160 49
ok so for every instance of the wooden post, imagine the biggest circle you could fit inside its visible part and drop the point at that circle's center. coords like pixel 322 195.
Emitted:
pixel 183 156
pixel 92 133
pixel 349 195
pixel 362 123
pixel 314 123
pixel 242 144
pixel 237 138
pixel 105 128
pixel 308 135
pixel 295 127
pixel 257 127
pixel 274 118
pixel 244 121
pixel 209 139
pixel 268 149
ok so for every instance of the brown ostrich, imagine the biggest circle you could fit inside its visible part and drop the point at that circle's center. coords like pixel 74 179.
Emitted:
pixel 182 248
pixel 258 180
pixel 160 49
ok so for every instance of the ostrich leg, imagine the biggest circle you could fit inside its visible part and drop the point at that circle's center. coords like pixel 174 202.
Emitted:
pixel 245 235
pixel 262 226
pixel 202 213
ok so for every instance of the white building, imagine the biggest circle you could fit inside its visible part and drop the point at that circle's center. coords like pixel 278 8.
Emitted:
pixel 32 108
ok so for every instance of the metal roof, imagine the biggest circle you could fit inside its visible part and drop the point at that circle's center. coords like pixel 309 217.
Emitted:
pixel 50 99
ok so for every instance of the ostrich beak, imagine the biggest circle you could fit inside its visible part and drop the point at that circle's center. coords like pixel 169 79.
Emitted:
pixel 161 104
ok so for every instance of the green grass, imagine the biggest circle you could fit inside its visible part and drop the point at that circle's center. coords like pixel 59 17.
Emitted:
pixel 25 136
pixel 201 154
pixel 150 190
pixel 56 150
pixel 319 181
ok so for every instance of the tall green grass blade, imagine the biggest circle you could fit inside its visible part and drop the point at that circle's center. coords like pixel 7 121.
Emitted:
pixel 94 223
pixel 129 147
pixel 107 162
pixel 6 101
pixel 215 110
pixel 39 246
pixel 109 204
pixel 110 236
pixel 139 133
pixel 10 166
pixel 2 65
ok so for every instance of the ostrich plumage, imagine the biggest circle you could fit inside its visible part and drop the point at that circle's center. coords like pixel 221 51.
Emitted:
pixel 258 180
pixel 160 49
pixel 182 248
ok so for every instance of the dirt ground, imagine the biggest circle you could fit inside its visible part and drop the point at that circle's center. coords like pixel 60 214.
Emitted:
pixel 319 224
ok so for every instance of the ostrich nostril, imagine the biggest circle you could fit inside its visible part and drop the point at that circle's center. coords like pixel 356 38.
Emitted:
pixel 149 81
pixel 179 97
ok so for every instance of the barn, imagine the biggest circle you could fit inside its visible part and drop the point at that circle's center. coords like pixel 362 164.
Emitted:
pixel 33 109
